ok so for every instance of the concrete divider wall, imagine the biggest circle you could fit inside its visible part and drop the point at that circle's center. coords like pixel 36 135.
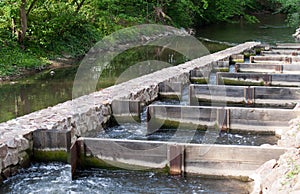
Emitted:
pixel 201 75
pixel 287 46
pixel 213 160
pixel 230 95
pixel 267 68
pixel 259 120
pixel 171 90
pixel 275 51
pixel 272 58
pixel 215 93
pixel 259 79
pixel 90 113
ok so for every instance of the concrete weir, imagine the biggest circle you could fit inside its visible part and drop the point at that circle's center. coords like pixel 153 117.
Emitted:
pixel 268 68
pixel 237 119
pixel 258 79
pixel 86 115
pixel 272 58
pixel 258 96
pixel 176 158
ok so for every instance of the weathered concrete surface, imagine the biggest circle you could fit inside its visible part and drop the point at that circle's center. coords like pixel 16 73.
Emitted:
pixel 227 160
pixel 125 111
pixel 261 96
pixel 292 80
pixel 259 120
pixel 170 90
pixel 275 58
pixel 90 113
pixel 287 46
pixel 267 68
pixel 201 75
pixel 213 160
pixel 293 52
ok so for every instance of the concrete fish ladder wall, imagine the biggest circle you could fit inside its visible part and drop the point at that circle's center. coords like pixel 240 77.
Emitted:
pixel 84 115
pixel 260 79
pixel 258 120
pixel 174 158
pixel 257 96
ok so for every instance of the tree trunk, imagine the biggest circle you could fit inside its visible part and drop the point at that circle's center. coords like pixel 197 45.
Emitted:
pixel 79 5
pixel 13 26
pixel 23 15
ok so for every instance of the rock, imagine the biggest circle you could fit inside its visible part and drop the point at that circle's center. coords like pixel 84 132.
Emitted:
pixel 6 173
pixel 24 160
pixel 10 159
pixel 3 151
pixel 0 167
pixel 296 35
pixel 12 143
pixel 297 143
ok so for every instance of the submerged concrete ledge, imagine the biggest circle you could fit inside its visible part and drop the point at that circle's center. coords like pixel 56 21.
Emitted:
pixel 90 113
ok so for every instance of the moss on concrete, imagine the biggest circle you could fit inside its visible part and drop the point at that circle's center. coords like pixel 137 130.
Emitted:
pixel 222 70
pixel 169 96
pixel 94 162
pixel 238 60
pixel 199 80
pixel 50 155
pixel 173 124
pixel 241 82
pixel 127 119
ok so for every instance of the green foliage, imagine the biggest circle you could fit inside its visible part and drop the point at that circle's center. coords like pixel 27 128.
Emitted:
pixel 292 8
pixel 229 11
pixel 71 27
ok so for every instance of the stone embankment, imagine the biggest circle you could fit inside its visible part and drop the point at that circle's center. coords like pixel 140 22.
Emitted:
pixel 282 175
pixel 24 138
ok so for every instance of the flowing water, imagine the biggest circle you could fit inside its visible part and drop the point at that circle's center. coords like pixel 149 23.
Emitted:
pixel 55 178
pixel 43 90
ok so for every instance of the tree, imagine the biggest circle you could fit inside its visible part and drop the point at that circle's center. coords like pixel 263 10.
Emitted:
pixel 292 8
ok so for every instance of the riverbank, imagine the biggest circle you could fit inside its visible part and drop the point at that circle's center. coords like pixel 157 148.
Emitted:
pixel 282 175
pixel 68 61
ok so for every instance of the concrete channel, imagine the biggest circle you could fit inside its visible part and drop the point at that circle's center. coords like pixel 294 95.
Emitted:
pixel 60 134
pixel 258 79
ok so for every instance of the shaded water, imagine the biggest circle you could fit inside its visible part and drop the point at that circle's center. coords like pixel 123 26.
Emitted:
pixel 43 90
pixel 55 178
pixel 271 29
